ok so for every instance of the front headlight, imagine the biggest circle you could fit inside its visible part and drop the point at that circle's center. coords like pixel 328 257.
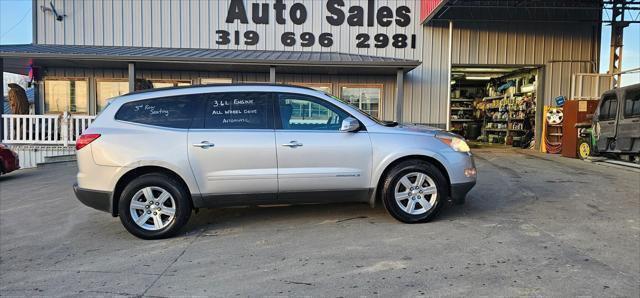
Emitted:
pixel 455 143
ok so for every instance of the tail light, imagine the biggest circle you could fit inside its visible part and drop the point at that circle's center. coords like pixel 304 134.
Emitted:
pixel 85 140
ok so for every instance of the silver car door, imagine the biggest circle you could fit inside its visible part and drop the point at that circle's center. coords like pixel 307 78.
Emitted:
pixel 314 156
pixel 232 152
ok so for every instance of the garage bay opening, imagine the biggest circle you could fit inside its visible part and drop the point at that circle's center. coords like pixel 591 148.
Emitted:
pixel 495 105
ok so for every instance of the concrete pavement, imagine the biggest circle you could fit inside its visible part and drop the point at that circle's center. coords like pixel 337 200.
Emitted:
pixel 534 225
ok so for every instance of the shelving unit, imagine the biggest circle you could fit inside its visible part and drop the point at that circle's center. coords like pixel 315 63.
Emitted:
pixel 494 97
pixel 500 130
pixel 461 113
pixel 553 138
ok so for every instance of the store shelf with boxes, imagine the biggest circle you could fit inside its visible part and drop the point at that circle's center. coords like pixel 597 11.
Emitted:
pixel 464 115
pixel 499 106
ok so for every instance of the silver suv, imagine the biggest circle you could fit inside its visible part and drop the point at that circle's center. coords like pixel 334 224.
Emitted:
pixel 151 157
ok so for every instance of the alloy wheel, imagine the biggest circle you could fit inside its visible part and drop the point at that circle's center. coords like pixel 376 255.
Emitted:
pixel 152 208
pixel 416 193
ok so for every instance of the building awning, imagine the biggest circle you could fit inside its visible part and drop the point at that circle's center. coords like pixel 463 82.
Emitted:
pixel 512 10
pixel 19 58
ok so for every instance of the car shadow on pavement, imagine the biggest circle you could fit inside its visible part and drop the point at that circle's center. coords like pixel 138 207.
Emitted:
pixel 220 221
pixel 206 219
pixel 212 220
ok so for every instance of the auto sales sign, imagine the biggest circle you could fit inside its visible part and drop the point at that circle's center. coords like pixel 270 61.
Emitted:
pixel 370 24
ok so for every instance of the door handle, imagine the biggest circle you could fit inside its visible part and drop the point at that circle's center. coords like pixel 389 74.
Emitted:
pixel 203 145
pixel 634 121
pixel 292 144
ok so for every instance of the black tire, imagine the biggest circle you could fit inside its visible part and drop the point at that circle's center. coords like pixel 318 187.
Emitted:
pixel 180 196
pixel 398 172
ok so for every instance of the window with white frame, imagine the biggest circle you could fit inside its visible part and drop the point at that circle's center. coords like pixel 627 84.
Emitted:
pixel 365 97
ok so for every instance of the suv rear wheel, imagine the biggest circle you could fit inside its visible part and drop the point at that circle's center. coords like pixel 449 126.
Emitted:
pixel 154 206
pixel 413 191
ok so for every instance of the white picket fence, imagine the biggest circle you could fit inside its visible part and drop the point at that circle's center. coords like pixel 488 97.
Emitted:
pixel 63 129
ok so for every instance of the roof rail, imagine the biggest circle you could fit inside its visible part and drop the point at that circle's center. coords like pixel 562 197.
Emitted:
pixel 216 85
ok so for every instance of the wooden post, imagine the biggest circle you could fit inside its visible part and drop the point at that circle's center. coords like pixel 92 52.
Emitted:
pixel 132 77
pixel 272 74
pixel 399 94
pixel 64 128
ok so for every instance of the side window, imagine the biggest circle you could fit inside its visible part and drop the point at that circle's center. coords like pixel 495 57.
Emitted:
pixel 174 112
pixel 239 110
pixel 604 109
pixel 609 108
pixel 632 104
pixel 301 112
pixel 613 109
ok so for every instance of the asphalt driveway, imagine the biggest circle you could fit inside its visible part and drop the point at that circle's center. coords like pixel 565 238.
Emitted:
pixel 534 225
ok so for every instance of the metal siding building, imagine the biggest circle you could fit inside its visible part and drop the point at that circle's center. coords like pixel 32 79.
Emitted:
pixel 559 49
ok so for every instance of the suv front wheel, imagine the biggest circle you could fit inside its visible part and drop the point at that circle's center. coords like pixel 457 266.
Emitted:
pixel 413 191
pixel 154 206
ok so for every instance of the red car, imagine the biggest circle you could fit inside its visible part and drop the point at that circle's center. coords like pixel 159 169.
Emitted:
pixel 9 160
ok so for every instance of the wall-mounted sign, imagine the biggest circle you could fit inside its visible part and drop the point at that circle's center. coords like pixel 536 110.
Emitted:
pixel 336 13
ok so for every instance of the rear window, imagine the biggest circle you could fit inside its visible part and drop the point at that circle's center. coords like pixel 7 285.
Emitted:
pixel 632 104
pixel 173 112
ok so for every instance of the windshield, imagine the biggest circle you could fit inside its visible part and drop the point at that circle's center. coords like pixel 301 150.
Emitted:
pixel 374 119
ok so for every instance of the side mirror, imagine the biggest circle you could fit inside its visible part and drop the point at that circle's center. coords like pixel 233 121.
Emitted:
pixel 350 124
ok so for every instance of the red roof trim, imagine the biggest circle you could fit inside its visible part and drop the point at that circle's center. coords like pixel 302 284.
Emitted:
pixel 428 8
